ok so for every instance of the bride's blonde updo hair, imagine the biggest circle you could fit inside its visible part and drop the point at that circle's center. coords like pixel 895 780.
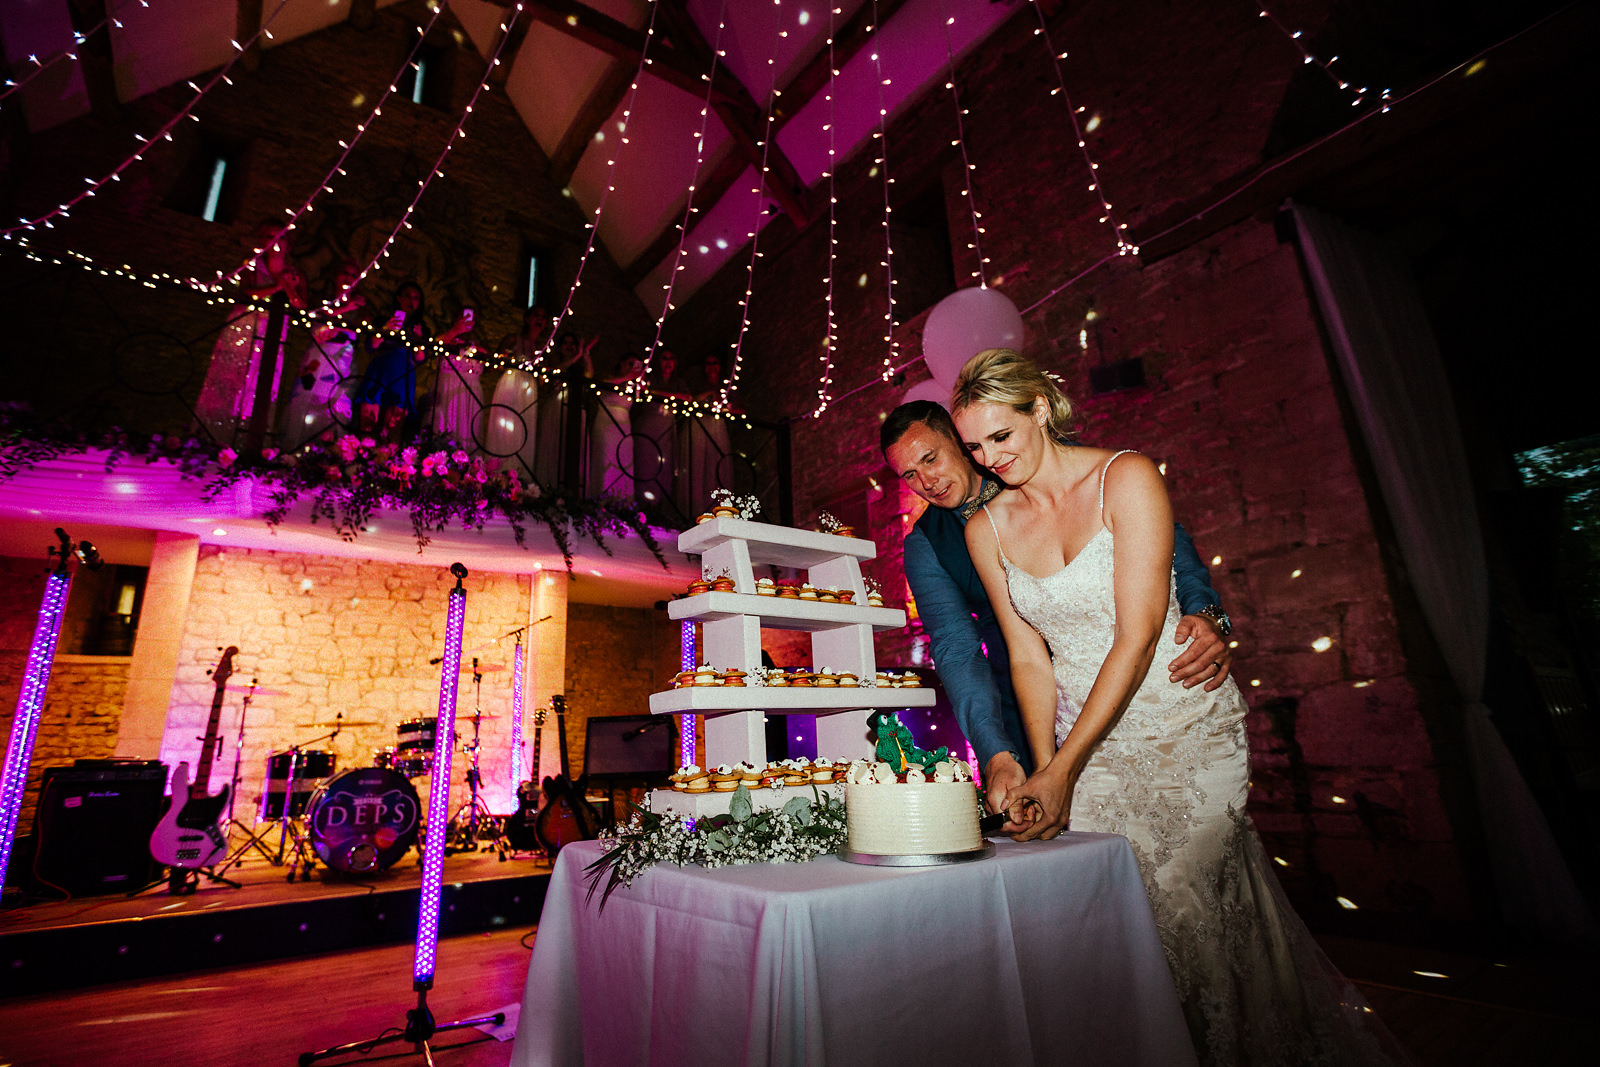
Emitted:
pixel 1005 376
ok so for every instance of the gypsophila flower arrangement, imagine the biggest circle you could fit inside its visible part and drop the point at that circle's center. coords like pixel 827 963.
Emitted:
pixel 749 506
pixel 801 830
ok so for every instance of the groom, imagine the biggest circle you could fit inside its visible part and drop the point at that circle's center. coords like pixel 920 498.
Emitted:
pixel 921 446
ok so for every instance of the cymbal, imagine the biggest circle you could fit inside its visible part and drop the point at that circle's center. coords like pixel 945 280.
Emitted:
pixel 255 690
pixel 342 722
pixel 486 715
pixel 482 668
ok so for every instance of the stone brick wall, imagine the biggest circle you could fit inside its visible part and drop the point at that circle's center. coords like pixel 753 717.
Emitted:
pixel 1239 404
pixel 616 657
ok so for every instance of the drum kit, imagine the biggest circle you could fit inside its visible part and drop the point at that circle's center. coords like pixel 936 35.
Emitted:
pixel 362 819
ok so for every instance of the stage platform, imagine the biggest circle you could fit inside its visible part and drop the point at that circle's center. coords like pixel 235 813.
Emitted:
pixel 48 945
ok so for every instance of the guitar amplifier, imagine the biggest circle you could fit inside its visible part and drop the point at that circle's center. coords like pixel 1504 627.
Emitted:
pixel 93 827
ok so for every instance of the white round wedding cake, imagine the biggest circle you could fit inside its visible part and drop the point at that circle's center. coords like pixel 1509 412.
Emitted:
pixel 888 815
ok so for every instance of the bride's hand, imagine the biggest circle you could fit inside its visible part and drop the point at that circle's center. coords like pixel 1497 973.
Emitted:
pixel 1041 808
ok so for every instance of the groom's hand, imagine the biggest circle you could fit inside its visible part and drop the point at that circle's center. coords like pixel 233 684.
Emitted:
pixel 1041 807
pixel 1002 777
pixel 1207 658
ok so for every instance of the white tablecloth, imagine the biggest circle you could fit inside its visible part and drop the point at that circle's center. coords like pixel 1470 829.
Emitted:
pixel 1045 953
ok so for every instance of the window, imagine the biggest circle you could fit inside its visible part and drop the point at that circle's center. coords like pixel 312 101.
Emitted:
pixel 531 277
pixel 103 608
pixel 924 268
pixel 427 79
pixel 212 180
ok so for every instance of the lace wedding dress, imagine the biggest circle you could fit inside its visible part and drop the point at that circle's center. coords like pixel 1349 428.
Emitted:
pixel 1172 777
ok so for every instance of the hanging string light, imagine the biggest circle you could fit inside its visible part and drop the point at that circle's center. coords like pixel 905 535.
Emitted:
pixel 93 186
pixel 326 184
pixel 882 137
pixel 78 39
pixel 1306 57
pixel 825 382
pixel 976 245
pixel 1124 248
pixel 689 210
pixel 456 134
pixel 611 185
pixel 755 227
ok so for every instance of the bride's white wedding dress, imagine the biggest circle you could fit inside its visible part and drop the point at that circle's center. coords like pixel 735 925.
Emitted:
pixel 1172 777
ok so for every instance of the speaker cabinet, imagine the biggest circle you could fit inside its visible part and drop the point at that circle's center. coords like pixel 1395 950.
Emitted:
pixel 93 827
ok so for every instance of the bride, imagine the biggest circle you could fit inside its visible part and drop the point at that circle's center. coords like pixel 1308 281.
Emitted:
pixel 1077 561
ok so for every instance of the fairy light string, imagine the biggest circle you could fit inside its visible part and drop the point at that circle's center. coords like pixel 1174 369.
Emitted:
pixel 457 134
pixel 689 210
pixel 728 386
pixel 326 184
pixel 600 206
pixel 64 209
pixel 882 137
pixel 1124 246
pixel 79 39
pixel 976 245
pixel 825 382
pixel 1308 58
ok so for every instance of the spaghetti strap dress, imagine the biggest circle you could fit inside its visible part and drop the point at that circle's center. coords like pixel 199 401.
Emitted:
pixel 1172 776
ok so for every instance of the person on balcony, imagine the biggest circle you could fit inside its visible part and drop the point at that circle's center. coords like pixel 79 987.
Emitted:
pixel 321 394
pixel 556 402
pixel 227 398
pixel 388 394
pixel 611 438
pixel 457 394
pixel 655 430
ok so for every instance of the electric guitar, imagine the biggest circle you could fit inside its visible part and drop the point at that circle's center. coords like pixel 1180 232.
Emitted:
pixel 190 834
pixel 566 816
pixel 521 831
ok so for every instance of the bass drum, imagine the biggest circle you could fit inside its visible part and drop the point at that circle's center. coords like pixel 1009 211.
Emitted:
pixel 363 820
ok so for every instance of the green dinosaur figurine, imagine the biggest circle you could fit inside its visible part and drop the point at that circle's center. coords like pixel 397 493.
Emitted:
pixel 896 747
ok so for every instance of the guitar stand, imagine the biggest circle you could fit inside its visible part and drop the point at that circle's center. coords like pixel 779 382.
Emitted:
pixel 419 1031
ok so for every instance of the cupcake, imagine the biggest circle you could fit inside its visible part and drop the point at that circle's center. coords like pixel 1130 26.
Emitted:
pixel 684 775
pixel 884 681
pixel 848 680
pixel 766 587
pixel 846 595
pixel 910 680
pixel 826 679
pixel 723 584
pixel 700 782
pixel 808 592
pixel 725 779
pixel 823 771
pixel 788 589
pixel 704 516
pixel 800 677
pixel 698 586
pixel 733 677
pixel 682 678
pixel 749 775
pixel 725 511
pixel 875 599
pixel 828 596
pixel 705 675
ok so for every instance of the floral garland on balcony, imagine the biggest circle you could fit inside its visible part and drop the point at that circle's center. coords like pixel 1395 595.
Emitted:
pixel 347 479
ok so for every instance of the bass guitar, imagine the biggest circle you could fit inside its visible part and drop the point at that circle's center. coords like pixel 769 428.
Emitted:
pixel 566 816
pixel 522 832
pixel 190 834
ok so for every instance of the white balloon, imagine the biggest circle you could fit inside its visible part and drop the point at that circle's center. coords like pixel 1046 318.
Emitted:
pixel 965 323
pixel 928 390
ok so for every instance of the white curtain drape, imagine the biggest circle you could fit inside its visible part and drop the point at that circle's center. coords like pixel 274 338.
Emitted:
pixel 1385 350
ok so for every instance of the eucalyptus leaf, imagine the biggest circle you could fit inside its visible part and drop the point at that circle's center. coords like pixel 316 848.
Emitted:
pixel 740 807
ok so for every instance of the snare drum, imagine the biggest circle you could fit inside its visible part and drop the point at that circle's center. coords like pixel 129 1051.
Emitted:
pixel 363 820
pixel 311 768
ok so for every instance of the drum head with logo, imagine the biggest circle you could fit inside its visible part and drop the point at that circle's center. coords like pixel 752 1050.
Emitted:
pixel 363 820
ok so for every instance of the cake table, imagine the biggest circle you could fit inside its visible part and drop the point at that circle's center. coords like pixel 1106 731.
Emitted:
pixel 1045 954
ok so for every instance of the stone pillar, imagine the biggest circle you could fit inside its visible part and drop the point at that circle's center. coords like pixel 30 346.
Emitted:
pixel 156 648
pixel 547 661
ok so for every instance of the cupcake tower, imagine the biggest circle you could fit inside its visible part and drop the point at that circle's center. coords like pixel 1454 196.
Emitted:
pixel 732 690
